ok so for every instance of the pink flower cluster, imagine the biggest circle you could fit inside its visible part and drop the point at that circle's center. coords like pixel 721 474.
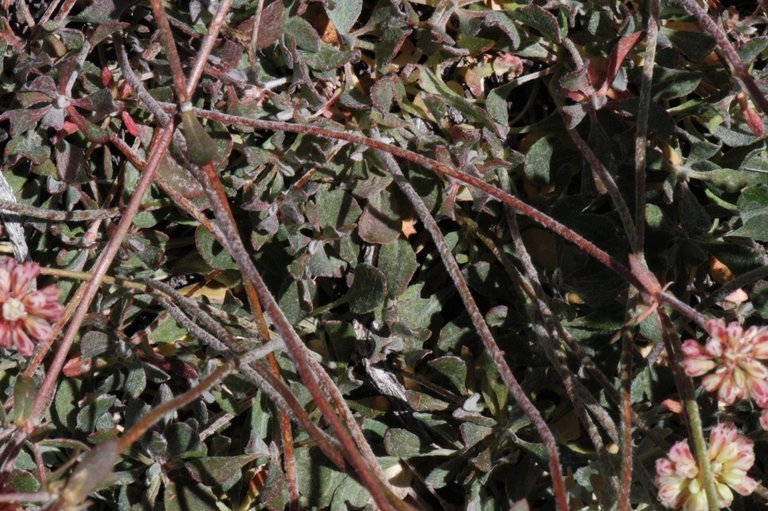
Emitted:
pixel 731 455
pixel 26 314
pixel 731 362
pixel 731 359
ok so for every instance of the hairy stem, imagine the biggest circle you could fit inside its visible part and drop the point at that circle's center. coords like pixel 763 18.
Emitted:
pixel 491 348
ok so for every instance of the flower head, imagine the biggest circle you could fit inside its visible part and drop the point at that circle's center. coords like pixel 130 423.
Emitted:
pixel 731 361
pixel 731 455
pixel 26 314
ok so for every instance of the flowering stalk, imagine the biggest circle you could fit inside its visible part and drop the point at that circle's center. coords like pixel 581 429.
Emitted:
pixel 731 455
pixel 685 387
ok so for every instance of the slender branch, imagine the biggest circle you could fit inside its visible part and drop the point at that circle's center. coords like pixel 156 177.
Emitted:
pixel 626 419
pixel 491 348
pixel 439 168
pixel 450 171
pixel 45 393
pixel 255 33
pixel 641 130
pixel 138 87
pixel 547 339
pixel 156 414
pixel 606 178
pixel 16 498
pixel 584 399
pixel 64 12
pixel 685 388
pixel 268 382
pixel 166 36
pixel 731 55
pixel 205 49
pixel 52 5
pixel 52 215
pixel 296 348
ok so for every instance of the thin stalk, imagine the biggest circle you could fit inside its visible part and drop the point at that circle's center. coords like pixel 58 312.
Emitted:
pixel 491 348
pixel 626 420
pixel 138 87
pixel 379 489
pixel 284 421
pixel 64 12
pixel 205 49
pixel 286 434
pixel 50 215
pixel 45 393
pixel 610 184
pixel 731 55
pixel 16 498
pixel 156 414
pixel 225 342
pixel 685 387
pixel 49 11
pixel 641 129
pixel 166 36
pixel 450 171
pixel 43 348
pixel 547 336
pixel 437 167
pixel 255 34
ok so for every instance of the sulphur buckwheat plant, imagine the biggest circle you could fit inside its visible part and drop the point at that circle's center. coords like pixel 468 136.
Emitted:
pixel 731 359
pixel 26 314
pixel 731 455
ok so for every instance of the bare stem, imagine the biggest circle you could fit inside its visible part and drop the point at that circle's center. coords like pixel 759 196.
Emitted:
pixel 439 168
pixel 731 55
pixel 45 393
pixel 491 348
pixel 205 49
pixel 685 387
pixel 166 36
pixel 626 420
pixel 51 215
pixel 641 130
pixel 296 348
pixel 156 414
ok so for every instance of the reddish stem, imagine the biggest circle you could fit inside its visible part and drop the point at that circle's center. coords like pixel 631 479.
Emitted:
pixel 169 44
pixel 380 493
pixel 731 55
pixel 45 393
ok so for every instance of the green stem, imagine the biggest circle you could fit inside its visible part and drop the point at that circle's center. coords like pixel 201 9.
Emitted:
pixel 685 387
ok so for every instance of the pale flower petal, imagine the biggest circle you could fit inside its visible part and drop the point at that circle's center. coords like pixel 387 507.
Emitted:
pixel 730 362
pixel 26 315
pixel 731 454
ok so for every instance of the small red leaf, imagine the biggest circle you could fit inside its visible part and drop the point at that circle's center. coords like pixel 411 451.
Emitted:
pixel 77 367
pixel 619 53
pixel 130 124
pixel 751 116
pixel 107 79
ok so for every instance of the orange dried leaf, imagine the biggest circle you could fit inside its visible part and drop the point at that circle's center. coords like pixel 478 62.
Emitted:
pixel 408 228
pixel 719 272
